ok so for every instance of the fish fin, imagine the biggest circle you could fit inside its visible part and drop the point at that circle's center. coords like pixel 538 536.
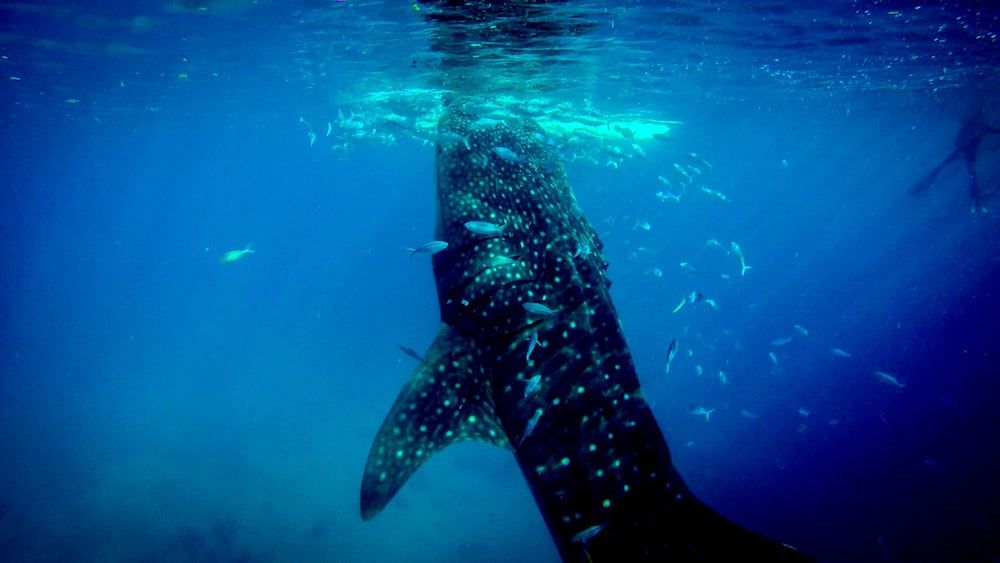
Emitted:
pixel 447 400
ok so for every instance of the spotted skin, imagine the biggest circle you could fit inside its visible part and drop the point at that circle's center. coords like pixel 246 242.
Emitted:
pixel 594 458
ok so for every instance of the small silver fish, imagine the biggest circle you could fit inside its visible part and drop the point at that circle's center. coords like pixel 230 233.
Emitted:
pixel 671 352
pixel 432 247
pixel 500 261
pixel 506 154
pixel 839 352
pixel 715 242
pixel 585 534
pixel 544 139
pixel 781 341
pixel 410 352
pixel 538 309
pixel 484 123
pixel 696 158
pixel 531 347
pixel 739 253
pixel 681 304
pixel 666 194
pixel 802 330
pixel 774 359
pixel 444 137
pixel 531 385
pixel 690 269
pixel 528 428
pixel 702 411
pixel 682 172
pixel 716 194
pixel 485 228
pixel 886 378
pixel 234 255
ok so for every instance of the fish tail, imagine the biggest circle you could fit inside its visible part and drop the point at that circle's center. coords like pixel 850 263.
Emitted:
pixel 714 537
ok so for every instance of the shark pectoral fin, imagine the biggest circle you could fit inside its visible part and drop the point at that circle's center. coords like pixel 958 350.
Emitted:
pixel 447 400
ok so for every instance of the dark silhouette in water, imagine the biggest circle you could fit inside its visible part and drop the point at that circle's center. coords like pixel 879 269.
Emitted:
pixel 970 136
pixel 574 416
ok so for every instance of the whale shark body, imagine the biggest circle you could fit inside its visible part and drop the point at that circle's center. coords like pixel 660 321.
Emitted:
pixel 571 409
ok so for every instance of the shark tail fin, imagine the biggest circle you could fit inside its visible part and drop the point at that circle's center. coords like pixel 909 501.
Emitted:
pixel 734 542
pixel 446 400
pixel 710 536
pixel 689 531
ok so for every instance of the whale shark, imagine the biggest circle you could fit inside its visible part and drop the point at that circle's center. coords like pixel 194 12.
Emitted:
pixel 531 356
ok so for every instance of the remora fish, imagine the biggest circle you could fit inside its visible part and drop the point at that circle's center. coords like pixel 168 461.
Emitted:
pixel 585 438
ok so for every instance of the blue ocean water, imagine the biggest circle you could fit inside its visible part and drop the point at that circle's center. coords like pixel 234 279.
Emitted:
pixel 158 405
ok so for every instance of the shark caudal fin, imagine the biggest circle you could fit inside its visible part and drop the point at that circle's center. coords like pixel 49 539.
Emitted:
pixel 719 539
pixel 688 531
pixel 447 400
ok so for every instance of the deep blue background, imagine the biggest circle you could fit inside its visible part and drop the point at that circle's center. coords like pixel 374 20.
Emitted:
pixel 158 405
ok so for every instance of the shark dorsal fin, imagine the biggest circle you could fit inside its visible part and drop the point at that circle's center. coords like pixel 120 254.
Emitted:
pixel 447 400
